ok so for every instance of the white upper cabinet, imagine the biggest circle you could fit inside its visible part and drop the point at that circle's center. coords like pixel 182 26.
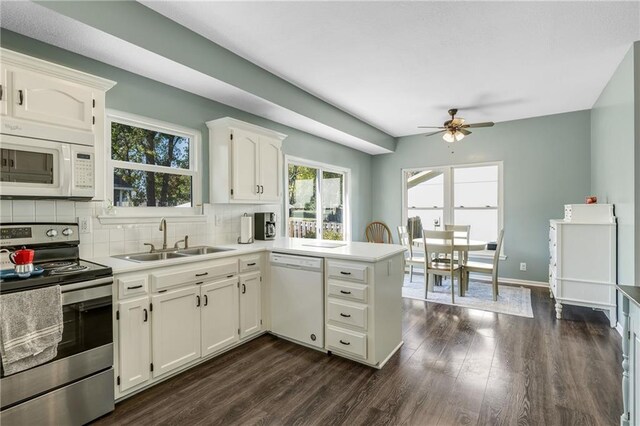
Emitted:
pixel 52 100
pixel 270 169
pixel 245 153
pixel 245 162
pixel 43 100
pixel 4 94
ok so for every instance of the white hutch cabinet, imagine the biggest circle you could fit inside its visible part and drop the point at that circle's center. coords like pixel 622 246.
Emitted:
pixel 582 258
pixel 245 162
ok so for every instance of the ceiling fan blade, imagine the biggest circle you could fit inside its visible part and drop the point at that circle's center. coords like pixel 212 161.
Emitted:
pixel 430 127
pixel 486 124
pixel 434 133
pixel 464 131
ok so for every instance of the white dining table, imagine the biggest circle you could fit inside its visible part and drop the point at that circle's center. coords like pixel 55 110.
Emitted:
pixel 460 245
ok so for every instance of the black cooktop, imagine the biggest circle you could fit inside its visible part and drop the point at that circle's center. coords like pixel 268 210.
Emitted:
pixel 57 272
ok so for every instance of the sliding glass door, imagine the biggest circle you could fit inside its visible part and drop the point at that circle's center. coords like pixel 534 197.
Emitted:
pixel 317 202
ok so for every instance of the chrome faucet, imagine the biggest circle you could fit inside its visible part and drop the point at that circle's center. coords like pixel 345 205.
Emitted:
pixel 185 241
pixel 163 227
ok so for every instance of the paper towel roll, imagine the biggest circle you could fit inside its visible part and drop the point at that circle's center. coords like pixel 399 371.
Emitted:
pixel 246 229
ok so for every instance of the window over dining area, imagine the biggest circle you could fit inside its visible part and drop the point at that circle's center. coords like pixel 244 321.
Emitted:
pixel 459 195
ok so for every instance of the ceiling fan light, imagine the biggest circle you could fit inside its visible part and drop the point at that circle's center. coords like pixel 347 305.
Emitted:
pixel 449 137
pixel 458 135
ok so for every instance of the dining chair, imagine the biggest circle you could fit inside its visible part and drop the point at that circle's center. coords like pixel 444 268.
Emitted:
pixel 378 232
pixel 460 231
pixel 431 266
pixel 405 239
pixel 487 268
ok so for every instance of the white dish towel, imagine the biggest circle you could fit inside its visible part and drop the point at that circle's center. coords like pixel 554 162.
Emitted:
pixel 30 328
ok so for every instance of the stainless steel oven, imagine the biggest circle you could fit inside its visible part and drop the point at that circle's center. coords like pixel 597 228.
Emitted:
pixel 76 386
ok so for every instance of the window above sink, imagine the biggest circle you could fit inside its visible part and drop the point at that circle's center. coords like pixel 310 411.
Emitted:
pixel 153 168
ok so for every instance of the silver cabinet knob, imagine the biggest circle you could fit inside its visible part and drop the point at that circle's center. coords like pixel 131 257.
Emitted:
pixel 67 231
pixel 52 233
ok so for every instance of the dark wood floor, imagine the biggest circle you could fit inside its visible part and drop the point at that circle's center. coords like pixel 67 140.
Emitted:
pixel 457 366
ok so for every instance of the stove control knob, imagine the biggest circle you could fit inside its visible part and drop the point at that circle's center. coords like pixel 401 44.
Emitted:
pixel 67 231
pixel 52 233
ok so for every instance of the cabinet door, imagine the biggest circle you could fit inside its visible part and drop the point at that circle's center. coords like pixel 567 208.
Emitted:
pixel 175 329
pixel 270 169
pixel 133 342
pixel 634 372
pixel 4 91
pixel 250 304
pixel 219 315
pixel 244 165
pixel 46 99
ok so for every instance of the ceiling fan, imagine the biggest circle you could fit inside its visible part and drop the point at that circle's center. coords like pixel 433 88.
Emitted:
pixel 455 129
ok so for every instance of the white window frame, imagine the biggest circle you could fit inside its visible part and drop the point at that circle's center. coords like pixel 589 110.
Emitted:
pixel 448 208
pixel 194 170
pixel 322 167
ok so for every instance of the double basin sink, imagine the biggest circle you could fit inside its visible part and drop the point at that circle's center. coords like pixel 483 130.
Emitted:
pixel 171 254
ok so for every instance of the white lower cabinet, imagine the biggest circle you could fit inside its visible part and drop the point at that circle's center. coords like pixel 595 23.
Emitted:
pixel 133 351
pixel 175 328
pixel 163 324
pixel 250 304
pixel 219 315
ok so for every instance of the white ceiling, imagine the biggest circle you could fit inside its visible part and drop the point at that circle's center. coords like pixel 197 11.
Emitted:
pixel 36 21
pixel 397 65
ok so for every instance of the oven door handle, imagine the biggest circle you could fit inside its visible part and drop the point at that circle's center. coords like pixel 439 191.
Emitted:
pixel 88 290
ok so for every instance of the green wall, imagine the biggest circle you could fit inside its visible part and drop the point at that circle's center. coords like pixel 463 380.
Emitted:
pixel 125 19
pixel 139 95
pixel 546 165
pixel 612 159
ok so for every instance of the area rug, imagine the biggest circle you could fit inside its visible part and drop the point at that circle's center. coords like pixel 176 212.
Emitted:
pixel 512 300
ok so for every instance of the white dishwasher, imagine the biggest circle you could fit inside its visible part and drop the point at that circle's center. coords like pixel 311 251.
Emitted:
pixel 297 298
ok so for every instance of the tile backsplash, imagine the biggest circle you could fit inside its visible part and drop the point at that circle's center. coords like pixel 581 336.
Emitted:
pixel 222 225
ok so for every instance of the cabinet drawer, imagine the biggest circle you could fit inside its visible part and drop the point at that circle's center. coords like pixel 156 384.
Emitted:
pixel 197 272
pixel 249 263
pixel 132 286
pixel 347 341
pixel 350 314
pixel 347 271
pixel 351 291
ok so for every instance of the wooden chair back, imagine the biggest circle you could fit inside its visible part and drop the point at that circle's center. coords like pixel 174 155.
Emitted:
pixel 378 232
pixel 447 236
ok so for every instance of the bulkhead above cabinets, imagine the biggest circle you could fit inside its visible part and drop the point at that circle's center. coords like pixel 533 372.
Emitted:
pixel 245 163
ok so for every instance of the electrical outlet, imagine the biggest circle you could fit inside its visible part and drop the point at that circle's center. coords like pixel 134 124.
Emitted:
pixel 5 263
pixel 523 266
pixel 84 223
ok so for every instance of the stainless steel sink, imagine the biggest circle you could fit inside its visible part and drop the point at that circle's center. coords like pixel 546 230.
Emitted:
pixel 174 254
pixel 195 251
pixel 150 257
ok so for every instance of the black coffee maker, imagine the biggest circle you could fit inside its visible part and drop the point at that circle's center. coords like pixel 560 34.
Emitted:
pixel 264 226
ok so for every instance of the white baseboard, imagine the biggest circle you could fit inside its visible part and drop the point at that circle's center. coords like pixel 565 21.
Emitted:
pixel 512 281
pixel 619 328
pixel 483 277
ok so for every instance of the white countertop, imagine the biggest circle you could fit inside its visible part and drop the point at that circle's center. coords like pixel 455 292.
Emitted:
pixel 357 251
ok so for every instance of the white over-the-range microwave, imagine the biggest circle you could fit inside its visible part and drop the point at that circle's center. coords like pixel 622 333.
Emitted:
pixel 40 168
